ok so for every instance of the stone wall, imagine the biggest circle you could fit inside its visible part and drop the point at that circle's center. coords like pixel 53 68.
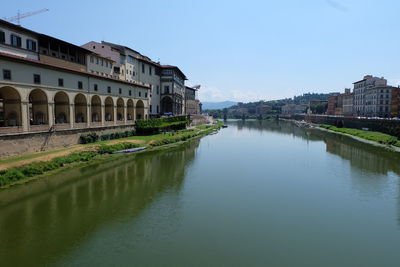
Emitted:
pixel 200 120
pixel 16 144
pixel 391 127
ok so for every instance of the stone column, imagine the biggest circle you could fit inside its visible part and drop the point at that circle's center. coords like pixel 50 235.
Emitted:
pixel 50 111
pixel 103 114
pixel 24 116
pixel 125 114
pixel 115 114
pixel 71 115
pixel 88 115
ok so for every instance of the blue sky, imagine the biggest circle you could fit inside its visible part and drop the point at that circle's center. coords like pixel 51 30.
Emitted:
pixel 240 50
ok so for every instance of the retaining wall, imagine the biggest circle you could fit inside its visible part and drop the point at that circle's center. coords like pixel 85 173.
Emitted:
pixel 391 127
pixel 15 144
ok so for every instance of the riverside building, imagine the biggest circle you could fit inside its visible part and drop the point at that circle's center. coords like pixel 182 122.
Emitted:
pixel 360 91
pixel 48 84
pixel 166 82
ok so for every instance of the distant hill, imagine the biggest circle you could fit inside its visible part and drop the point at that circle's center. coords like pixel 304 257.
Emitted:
pixel 218 105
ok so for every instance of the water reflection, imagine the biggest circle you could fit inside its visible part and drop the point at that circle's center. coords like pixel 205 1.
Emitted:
pixel 51 216
pixel 374 164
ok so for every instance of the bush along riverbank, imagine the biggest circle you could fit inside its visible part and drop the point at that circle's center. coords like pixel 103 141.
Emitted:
pixel 19 174
pixel 381 138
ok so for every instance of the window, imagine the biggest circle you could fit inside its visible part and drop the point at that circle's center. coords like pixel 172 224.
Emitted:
pixel 30 45
pixel 158 90
pixel 61 82
pixel 166 89
pixel 145 94
pixel 120 91
pixel 158 109
pixel 80 85
pixel 140 94
pixel 102 62
pixel 130 92
pixel 109 89
pixel 36 78
pixel 143 68
pixel 150 70
pixel 7 74
pixel 97 61
pixel 151 108
pixel 91 60
pixel 95 87
pixel 133 73
pixel 15 40
pixel 2 37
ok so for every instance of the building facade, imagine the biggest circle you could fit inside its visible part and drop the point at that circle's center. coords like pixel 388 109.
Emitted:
pixel 378 101
pixel 59 85
pixel 360 90
pixel 192 104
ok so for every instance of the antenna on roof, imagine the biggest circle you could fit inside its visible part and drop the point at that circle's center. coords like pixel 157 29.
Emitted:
pixel 20 16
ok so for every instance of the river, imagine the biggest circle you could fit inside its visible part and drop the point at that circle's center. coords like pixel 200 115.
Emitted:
pixel 256 194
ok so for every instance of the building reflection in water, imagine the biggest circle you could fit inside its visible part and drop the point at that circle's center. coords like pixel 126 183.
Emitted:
pixel 53 213
pixel 373 164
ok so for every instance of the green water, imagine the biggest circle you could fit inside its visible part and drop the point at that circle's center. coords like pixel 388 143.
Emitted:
pixel 257 194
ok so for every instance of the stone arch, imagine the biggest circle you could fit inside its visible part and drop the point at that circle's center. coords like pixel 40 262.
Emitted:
pixel 96 108
pixel 10 107
pixel 109 109
pixel 167 105
pixel 80 104
pixel 130 110
pixel 61 108
pixel 120 109
pixel 139 110
pixel 38 107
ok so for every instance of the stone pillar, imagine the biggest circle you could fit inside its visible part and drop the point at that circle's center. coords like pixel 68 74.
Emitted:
pixel 88 115
pixel 125 114
pixel 134 114
pixel 24 116
pixel 115 114
pixel 103 114
pixel 71 115
pixel 50 111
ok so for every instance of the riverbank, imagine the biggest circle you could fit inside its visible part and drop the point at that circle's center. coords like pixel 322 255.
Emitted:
pixel 22 169
pixel 378 139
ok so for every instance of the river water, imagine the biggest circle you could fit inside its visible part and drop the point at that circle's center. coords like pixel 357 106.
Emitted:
pixel 256 194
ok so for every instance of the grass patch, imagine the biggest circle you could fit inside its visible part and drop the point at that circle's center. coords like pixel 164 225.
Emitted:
pixel 379 137
pixel 13 175
pixel 38 168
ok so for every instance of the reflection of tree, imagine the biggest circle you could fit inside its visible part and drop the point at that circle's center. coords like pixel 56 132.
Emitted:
pixel 46 217
pixel 365 158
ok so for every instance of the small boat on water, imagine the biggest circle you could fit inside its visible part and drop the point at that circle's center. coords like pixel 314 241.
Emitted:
pixel 131 150
pixel 224 126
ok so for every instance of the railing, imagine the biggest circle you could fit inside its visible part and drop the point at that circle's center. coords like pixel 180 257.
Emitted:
pixel 63 126
pixel 39 128
pixel 7 130
pixel 80 125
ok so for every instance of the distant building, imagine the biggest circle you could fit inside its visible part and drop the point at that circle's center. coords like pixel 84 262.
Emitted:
pixel 332 104
pixel 360 88
pixel 192 104
pixel 291 109
pixel 348 103
pixel 378 101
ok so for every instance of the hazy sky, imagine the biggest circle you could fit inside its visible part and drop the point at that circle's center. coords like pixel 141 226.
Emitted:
pixel 240 50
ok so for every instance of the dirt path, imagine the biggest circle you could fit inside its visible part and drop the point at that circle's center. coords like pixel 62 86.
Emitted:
pixel 49 155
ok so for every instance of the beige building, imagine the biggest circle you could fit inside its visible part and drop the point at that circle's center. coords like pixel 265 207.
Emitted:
pixel 378 101
pixel 133 66
pixel 359 91
pixel 192 104
pixel 62 87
